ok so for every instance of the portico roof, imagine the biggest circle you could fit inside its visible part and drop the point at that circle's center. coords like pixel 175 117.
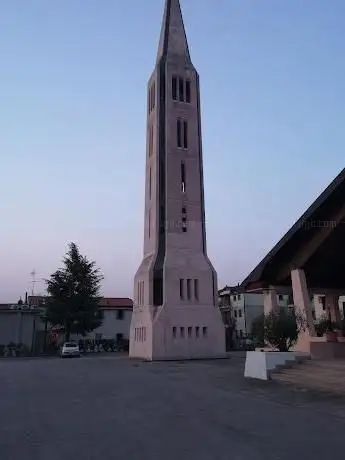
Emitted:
pixel 315 243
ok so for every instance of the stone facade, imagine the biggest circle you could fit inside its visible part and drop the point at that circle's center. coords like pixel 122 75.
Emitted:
pixel 176 312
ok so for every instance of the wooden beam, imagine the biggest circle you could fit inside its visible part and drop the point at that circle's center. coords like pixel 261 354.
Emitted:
pixel 314 243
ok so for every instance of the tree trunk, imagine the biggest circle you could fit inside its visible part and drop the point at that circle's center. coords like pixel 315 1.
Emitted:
pixel 67 332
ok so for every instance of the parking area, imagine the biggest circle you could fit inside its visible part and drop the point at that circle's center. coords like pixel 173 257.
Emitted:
pixel 108 407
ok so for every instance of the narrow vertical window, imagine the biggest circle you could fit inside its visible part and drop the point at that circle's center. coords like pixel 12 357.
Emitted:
pixel 143 293
pixel 179 134
pixel 174 88
pixel 153 95
pixel 197 331
pixel 181 89
pixel 204 331
pixel 181 289
pixel 150 140
pixel 150 183
pixel 189 332
pixel 188 91
pixel 184 219
pixel 185 135
pixel 174 332
pixel 183 177
pixel 196 289
pixel 189 289
pixel 149 100
pixel 182 331
pixel 149 223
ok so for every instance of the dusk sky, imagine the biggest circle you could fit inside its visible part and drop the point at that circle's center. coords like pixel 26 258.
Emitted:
pixel 73 115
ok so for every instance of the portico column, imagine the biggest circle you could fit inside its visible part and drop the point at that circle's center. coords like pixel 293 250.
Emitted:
pixel 302 304
pixel 332 307
pixel 270 300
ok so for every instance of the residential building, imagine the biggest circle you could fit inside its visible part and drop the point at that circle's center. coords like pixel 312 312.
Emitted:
pixel 22 323
pixel 241 307
pixel 117 315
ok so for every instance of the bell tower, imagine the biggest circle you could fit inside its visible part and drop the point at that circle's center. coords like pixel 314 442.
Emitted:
pixel 175 313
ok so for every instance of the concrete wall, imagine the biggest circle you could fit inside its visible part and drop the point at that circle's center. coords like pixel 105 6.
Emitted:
pixel 18 327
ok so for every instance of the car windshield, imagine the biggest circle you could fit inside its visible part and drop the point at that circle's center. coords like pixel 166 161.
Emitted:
pixel 70 345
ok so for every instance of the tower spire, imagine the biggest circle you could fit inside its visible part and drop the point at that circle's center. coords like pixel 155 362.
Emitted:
pixel 173 39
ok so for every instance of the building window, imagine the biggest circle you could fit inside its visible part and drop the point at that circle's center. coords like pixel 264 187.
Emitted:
pixel 280 298
pixel 181 289
pixel 119 337
pixel 188 91
pixel 235 297
pixel 120 314
pixel 240 313
pixel 185 135
pixel 181 89
pixel 189 288
pixel 149 218
pixel 313 314
pixel 322 300
pixel 239 297
pixel 197 330
pixel 184 220
pixel 204 331
pixel 150 183
pixel 150 140
pixel 174 88
pixel 196 289
pixel 179 134
pixel 189 332
pixel 183 177
pixel 152 97
pixel 235 313
pixel 182 331
pixel 174 332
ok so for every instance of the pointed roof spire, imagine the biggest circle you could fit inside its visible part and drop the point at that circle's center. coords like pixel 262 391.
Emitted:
pixel 173 38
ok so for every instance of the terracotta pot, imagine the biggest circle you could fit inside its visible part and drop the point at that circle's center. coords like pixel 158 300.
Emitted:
pixel 332 336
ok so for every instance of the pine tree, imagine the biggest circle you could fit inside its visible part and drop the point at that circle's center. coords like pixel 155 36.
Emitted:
pixel 73 295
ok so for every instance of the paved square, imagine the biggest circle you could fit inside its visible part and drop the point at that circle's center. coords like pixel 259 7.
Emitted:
pixel 106 408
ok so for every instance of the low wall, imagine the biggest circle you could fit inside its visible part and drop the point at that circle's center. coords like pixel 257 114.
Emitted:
pixel 327 350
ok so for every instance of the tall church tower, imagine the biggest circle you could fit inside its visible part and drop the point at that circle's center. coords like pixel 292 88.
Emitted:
pixel 175 313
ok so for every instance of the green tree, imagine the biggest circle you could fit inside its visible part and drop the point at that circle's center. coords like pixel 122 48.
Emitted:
pixel 73 294
pixel 282 327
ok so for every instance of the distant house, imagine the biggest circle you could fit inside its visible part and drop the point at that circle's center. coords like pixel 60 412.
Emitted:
pixel 243 307
pixel 24 324
pixel 117 314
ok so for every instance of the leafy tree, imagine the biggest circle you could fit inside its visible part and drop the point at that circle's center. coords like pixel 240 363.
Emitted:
pixel 73 294
pixel 282 327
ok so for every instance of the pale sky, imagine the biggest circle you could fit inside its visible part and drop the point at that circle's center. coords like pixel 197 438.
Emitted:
pixel 73 114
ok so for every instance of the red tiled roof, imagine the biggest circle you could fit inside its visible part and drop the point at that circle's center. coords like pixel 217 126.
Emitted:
pixel 105 303
pixel 112 302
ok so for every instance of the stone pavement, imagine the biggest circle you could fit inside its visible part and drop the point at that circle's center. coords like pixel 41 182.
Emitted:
pixel 325 376
pixel 112 408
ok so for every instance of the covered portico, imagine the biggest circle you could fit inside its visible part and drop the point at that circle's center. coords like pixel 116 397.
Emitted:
pixel 309 259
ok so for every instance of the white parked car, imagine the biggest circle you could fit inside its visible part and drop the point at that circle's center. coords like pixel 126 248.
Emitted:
pixel 70 349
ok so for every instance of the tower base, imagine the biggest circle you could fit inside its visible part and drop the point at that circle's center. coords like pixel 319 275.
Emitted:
pixel 176 333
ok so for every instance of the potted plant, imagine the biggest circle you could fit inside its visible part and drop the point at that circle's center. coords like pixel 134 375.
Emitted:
pixel 282 328
pixel 328 328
